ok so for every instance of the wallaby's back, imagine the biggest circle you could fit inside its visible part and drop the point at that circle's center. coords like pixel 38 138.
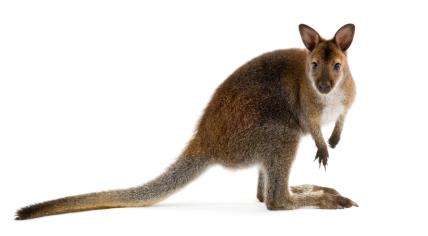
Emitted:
pixel 261 92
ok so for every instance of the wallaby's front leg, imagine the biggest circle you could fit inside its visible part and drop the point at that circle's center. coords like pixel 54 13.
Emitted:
pixel 322 152
pixel 337 131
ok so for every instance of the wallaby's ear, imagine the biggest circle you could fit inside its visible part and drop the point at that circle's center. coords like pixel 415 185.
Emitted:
pixel 309 36
pixel 344 36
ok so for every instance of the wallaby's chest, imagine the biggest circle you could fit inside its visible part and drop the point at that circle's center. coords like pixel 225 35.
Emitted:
pixel 333 106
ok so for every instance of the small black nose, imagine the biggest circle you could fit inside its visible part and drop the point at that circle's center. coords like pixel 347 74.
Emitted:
pixel 324 86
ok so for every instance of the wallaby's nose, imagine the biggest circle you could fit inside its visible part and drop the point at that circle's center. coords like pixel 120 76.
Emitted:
pixel 324 86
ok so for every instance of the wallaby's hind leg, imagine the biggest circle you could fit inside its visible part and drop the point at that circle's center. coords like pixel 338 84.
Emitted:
pixel 277 166
pixel 278 196
pixel 261 187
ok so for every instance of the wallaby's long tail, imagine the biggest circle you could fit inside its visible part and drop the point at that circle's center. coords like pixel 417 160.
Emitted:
pixel 175 177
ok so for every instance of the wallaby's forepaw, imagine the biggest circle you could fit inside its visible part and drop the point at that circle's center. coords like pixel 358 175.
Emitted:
pixel 322 156
pixel 333 140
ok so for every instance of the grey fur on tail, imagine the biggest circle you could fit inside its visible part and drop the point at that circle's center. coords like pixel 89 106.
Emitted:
pixel 175 177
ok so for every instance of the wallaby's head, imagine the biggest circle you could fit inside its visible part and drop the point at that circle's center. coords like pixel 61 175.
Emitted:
pixel 326 62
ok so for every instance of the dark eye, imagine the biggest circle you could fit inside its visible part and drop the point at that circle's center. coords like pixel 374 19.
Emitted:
pixel 314 65
pixel 337 66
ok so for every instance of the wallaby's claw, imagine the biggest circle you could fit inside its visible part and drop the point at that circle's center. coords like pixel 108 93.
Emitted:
pixel 322 156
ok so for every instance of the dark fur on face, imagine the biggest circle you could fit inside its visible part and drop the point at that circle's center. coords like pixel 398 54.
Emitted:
pixel 329 59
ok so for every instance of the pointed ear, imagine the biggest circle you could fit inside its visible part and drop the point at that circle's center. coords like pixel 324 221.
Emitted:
pixel 309 36
pixel 344 36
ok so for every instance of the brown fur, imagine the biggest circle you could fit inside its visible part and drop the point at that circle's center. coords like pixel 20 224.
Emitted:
pixel 257 116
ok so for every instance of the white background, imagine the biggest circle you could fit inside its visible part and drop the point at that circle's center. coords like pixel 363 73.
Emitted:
pixel 97 95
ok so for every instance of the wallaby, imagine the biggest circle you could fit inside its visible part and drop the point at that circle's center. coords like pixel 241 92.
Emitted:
pixel 256 117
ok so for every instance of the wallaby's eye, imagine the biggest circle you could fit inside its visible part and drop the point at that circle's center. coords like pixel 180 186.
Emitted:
pixel 337 66
pixel 314 65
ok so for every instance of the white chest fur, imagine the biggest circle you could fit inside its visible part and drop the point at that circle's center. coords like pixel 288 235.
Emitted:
pixel 333 106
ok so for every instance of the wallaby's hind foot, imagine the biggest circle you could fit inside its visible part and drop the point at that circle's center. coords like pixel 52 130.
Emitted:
pixel 307 188
pixel 313 196
pixel 333 201
pixel 323 197
pixel 298 189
